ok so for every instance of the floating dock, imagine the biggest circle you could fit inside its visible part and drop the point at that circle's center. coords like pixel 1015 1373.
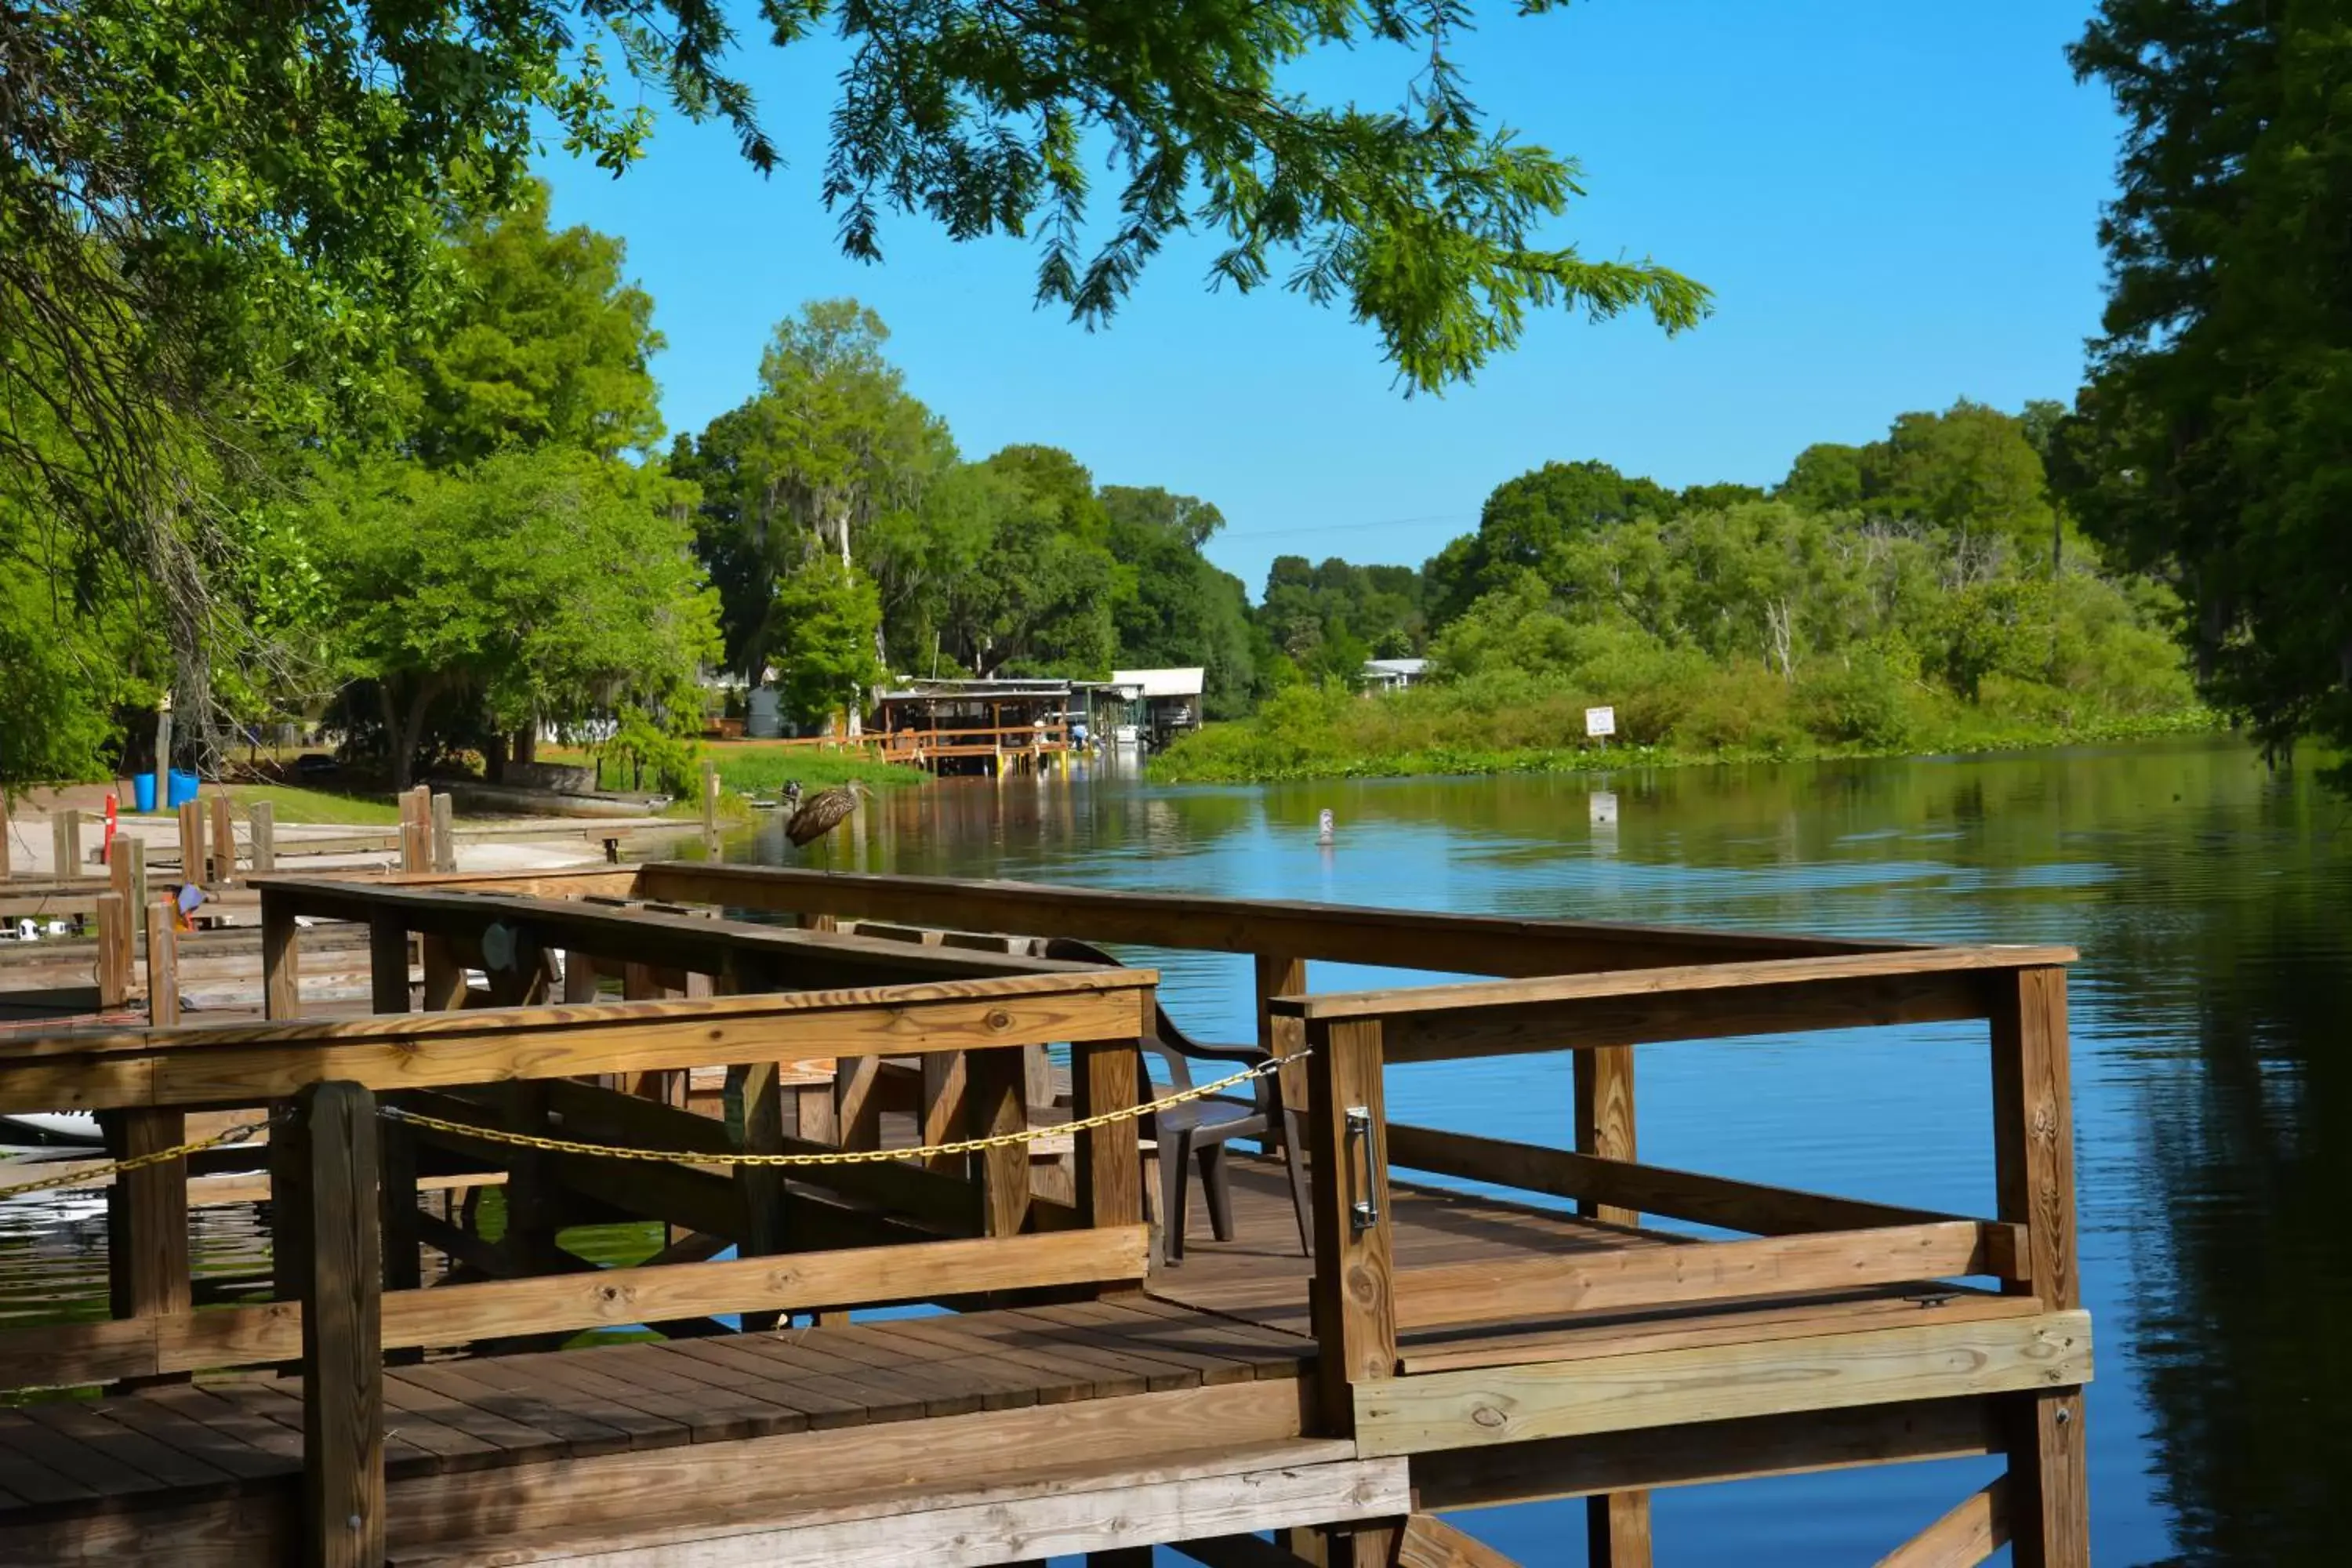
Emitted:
pixel 412 1386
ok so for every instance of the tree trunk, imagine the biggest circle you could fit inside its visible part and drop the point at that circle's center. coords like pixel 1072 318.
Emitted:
pixel 526 744
pixel 400 737
pixel 494 758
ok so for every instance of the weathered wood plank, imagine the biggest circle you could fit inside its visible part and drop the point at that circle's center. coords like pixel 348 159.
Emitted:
pixel 1350 1298
pixel 2033 1172
pixel 998 1106
pixel 68 1355
pixel 244 1063
pixel 343 1365
pixel 1656 1189
pixel 163 965
pixel 1103 1078
pixel 147 1217
pixel 280 960
pixel 1703 1453
pixel 1790 1001
pixel 1428 1542
pixel 1402 938
pixel 701 1490
pixel 1508 1405
pixel 662 939
pixel 1963 1538
pixel 1015 1524
pixel 1534 1287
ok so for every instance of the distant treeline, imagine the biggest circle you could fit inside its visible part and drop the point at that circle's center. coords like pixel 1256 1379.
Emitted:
pixel 1920 590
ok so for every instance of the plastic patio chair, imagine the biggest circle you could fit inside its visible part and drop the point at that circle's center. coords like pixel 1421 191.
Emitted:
pixel 1199 1130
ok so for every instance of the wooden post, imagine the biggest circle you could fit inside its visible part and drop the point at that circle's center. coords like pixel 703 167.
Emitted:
pixel 444 980
pixel 147 1221
pixel 416 829
pixel 342 1361
pixel 262 820
pixel 579 978
pixel 163 964
pixel 224 861
pixel 999 1104
pixel 114 965
pixel 290 1238
pixel 1104 1078
pixel 1351 1297
pixel 192 843
pixel 65 841
pixel 388 993
pixel 281 942
pixel 163 759
pixel 710 808
pixel 444 834
pixel 1280 976
pixel 2033 1172
pixel 126 872
pixel 1616 1524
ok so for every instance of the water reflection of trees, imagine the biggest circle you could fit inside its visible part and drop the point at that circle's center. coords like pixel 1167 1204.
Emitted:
pixel 2214 1007
pixel 2241 1257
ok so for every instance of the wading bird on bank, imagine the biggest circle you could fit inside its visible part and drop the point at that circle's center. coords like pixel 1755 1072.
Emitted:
pixel 821 814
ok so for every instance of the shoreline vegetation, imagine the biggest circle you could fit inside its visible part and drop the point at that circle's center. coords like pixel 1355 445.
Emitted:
pixel 1243 752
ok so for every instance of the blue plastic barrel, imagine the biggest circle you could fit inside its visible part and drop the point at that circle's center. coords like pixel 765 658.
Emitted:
pixel 182 791
pixel 142 791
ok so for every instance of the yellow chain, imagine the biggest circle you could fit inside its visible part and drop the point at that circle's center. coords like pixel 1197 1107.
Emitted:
pixel 840 1156
pixel 81 1173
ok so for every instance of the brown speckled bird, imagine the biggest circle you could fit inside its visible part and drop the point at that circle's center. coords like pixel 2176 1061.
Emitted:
pixel 821 814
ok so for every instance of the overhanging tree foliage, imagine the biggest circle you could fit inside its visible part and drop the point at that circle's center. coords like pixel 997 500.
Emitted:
pixel 220 219
pixel 2210 441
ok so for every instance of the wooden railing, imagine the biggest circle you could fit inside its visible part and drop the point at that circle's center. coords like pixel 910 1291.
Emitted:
pixel 1806 1244
pixel 1594 990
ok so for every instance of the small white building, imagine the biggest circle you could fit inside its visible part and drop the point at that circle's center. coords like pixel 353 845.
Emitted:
pixel 1169 700
pixel 1393 673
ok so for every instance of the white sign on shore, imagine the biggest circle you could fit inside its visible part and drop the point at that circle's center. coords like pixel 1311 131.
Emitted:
pixel 1600 722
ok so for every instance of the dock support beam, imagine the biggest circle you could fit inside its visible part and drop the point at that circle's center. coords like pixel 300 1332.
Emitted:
pixel 1351 1298
pixel 2034 1168
pixel 1616 1524
pixel 342 1359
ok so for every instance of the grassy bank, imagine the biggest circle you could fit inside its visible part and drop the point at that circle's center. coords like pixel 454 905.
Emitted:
pixel 1517 726
pixel 753 767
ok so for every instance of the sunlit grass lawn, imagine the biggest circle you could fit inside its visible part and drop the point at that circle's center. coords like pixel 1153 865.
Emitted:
pixel 297 803
pixel 758 767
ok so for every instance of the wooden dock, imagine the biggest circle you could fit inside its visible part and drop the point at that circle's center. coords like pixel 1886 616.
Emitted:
pixel 419 1392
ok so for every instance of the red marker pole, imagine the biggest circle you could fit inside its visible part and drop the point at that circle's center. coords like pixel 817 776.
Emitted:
pixel 106 850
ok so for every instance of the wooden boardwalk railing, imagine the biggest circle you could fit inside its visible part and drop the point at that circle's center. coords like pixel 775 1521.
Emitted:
pixel 1586 1356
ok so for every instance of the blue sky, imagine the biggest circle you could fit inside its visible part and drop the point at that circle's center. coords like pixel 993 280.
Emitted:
pixel 1894 200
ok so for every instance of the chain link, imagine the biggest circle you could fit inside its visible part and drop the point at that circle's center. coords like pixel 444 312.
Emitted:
pixel 82 1174
pixel 841 1156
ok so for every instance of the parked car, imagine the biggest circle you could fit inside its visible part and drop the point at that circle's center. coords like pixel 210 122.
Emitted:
pixel 314 764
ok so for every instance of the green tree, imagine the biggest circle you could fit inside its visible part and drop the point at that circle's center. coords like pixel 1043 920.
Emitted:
pixel 1183 610
pixel 1527 521
pixel 1826 477
pixel 829 614
pixel 220 223
pixel 540 583
pixel 1970 471
pixel 543 344
pixel 2209 441
pixel 829 450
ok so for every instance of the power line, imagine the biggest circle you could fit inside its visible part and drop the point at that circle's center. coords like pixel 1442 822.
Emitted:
pixel 1455 517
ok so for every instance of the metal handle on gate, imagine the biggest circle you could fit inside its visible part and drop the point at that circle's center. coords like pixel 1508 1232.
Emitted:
pixel 1364 1213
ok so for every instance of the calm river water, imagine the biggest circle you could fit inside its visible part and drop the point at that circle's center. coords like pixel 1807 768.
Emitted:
pixel 2212 1036
pixel 2213 904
